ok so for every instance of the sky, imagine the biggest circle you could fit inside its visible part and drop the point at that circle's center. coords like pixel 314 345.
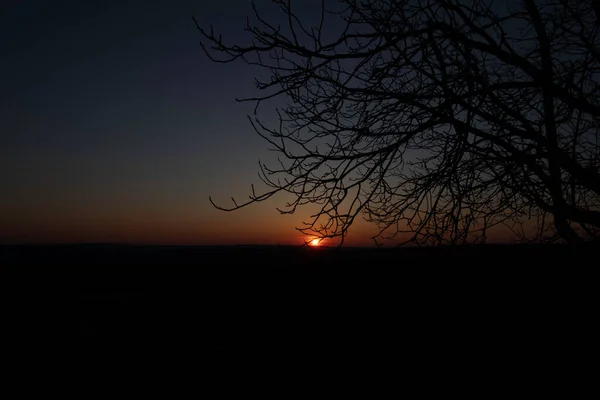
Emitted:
pixel 115 128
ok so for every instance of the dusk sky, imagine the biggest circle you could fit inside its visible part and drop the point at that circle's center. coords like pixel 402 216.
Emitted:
pixel 115 127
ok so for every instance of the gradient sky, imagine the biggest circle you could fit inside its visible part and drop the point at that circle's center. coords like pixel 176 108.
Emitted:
pixel 114 127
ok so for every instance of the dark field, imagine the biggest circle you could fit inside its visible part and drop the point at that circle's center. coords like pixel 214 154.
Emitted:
pixel 224 302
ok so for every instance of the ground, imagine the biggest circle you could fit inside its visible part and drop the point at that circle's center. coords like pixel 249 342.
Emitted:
pixel 226 301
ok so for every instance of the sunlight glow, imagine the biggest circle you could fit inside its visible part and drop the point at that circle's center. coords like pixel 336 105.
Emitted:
pixel 315 242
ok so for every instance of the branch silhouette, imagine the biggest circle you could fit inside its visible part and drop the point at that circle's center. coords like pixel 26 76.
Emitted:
pixel 434 120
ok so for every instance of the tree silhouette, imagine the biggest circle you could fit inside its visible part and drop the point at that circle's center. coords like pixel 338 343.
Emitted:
pixel 434 119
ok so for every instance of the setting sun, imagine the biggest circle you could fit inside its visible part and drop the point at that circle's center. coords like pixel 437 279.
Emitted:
pixel 315 242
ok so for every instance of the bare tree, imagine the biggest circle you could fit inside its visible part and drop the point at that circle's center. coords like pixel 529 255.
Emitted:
pixel 434 119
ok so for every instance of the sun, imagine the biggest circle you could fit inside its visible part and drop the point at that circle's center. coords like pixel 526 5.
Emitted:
pixel 315 242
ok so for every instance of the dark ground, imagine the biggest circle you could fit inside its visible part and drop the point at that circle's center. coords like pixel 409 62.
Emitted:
pixel 228 302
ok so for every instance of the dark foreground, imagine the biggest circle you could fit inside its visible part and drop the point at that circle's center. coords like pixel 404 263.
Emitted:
pixel 231 302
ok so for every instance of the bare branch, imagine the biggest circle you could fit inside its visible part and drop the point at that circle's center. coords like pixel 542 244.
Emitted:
pixel 436 121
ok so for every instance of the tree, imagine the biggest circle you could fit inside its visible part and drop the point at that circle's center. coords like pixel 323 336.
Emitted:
pixel 436 120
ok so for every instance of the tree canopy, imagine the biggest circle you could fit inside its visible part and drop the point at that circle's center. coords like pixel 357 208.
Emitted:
pixel 435 120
